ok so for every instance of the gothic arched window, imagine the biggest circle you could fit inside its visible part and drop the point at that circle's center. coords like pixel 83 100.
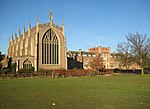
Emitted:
pixel 50 48
pixel 27 64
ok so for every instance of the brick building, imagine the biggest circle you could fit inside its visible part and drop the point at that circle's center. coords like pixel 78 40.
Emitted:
pixel 3 61
pixel 104 52
pixel 115 62
pixel 80 59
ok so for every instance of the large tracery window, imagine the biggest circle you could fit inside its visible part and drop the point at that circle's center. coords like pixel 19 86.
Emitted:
pixel 50 48
pixel 27 64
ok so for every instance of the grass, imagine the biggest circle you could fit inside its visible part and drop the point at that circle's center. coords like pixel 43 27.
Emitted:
pixel 101 92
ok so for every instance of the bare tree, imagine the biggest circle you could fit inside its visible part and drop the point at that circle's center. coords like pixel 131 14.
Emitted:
pixel 97 63
pixel 124 56
pixel 139 46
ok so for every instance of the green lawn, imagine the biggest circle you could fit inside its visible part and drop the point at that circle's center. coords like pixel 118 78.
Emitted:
pixel 100 92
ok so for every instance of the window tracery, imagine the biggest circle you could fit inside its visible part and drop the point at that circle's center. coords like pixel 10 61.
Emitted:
pixel 50 48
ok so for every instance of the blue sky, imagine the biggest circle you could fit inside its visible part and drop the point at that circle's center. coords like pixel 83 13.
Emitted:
pixel 88 23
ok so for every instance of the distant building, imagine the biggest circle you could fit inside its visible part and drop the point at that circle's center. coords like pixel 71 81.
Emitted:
pixel 115 62
pixel 80 59
pixel 2 56
pixel 105 53
pixel 41 47
pixel 3 61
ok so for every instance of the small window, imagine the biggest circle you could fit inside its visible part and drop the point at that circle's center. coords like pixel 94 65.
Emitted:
pixel 27 64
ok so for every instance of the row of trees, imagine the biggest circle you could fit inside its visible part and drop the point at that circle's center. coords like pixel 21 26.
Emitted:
pixel 135 50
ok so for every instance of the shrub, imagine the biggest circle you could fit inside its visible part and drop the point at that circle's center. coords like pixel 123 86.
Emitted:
pixel 5 71
pixel 91 72
pixel 13 67
pixel 73 72
pixel 147 70
pixel 80 72
pixel 59 73
pixel 116 70
pixel 109 71
pixel 43 72
pixel 26 71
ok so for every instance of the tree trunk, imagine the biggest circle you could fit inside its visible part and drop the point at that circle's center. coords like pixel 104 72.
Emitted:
pixel 142 69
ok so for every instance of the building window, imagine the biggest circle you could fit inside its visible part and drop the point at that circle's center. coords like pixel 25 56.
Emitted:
pixel 94 55
pixel 85 55
pixel 50 48
pixel 89 55
pixel 27 64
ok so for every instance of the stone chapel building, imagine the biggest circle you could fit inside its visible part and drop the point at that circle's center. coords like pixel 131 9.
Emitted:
pixel 41 47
